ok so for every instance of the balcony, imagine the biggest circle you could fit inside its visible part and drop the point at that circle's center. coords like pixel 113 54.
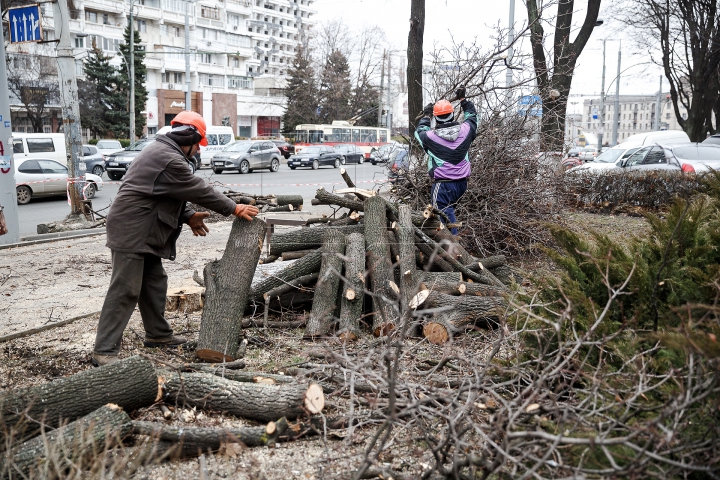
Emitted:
pixel 107 31
pixel 144 11
pixel 238 6
pixel 167 41
pixel 153 63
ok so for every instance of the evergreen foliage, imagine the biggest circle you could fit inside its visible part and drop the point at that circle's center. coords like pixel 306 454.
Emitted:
pixel 364 97
pixel 335 89
pixel 141 93
pixel 102 107
pixel 301 93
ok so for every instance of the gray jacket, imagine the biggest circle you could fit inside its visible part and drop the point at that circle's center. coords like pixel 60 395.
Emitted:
pixel 150 207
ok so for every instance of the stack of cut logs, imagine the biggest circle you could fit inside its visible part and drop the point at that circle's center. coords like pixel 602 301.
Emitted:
pixel 268 203
pixel 378 262
pixel 97 402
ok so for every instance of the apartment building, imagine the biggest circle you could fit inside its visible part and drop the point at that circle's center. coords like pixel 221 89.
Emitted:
pixel 240 52
pixel 637 115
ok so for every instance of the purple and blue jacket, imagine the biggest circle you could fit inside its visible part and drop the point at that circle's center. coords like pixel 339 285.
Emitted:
pixel 447 147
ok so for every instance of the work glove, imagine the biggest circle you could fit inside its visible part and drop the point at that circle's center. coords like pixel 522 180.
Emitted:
pixel 197 223
pixel 245 211
pixel 428 110
pixel 460 93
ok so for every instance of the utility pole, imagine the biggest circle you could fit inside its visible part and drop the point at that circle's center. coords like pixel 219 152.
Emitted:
pixel 382 89
pixel 657 107
pixel 511 38
pixel 70 108
pixel 389 102
pixel 132 73
pixel 188 97
pixel 8 194
pixel 601 127
pixel 616 109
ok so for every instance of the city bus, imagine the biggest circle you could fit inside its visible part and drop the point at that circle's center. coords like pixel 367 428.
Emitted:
pixel 366 138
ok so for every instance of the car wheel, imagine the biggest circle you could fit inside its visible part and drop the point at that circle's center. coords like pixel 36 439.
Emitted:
pixel 361 160
pixel 90 190
pixel 293 168
pixel 115 175
pixel 98 170
pixel 217 170
pixel 373 162
pixel 24 195
pixel 316 165
pixel 274 165
pixel 337 163
pixel 245 167
pixel 342 160
pixel 193 167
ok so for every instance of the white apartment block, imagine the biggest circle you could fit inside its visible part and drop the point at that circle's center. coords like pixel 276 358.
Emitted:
pixel 637 115
pixel 240 53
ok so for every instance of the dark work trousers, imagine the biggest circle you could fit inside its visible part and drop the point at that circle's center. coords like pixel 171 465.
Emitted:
pixel 445 195
pixel 137 279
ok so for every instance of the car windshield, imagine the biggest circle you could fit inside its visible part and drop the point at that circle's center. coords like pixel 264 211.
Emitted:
pixel 136 147
pixel 697 153
pixel 610 156
pixel 238 147
pixel 311 150
pixel 109 145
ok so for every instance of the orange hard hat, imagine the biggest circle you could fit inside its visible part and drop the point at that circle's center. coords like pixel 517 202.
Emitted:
pixel 194 119
pixel 442 107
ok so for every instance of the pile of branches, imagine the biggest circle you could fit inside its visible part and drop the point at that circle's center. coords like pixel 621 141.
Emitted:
pixel 265 203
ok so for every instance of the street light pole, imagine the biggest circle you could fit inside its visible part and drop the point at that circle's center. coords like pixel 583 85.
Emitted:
pixel 389 102
pixel 602 106
pixel 511 38
pixel 616 108
pixel 657 108
pixel 132 73
pixel 382 89
pixel 188 97
pixel 8 194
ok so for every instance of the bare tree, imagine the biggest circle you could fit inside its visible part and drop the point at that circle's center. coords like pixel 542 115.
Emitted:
pixel 32 81
pixel 332 36
pixel 414 61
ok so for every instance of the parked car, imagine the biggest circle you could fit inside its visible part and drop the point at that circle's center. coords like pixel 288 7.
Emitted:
pixel 399 164
pixel 696 157
pixel 44 177
pixel 246 156
pixel 315 156
pixel 217 137
pixel 93 159
pixel 668 137
pixel 350 153
pixel 106 147
pixel 610 159
pixel 713 139
pixel 572 159
pixel 39 145
pixel 588 154
pixel 286 149
pixel 116 164
pixel 650 158
pixel 382 154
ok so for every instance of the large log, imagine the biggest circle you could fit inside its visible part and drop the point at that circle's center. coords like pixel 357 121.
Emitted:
pixel 379 265
pixel 307 265
pixel 323 197
pixel 305 238
pixel 294 200
pixel 71 445
pixel 457 314
pixel 297 254
pixel 452 286
pixel 503 273
pixel 326 290
pixel 351 303
pixel 130 383
pixel 406 253
pixel 227 283
pixel 249 400
pixel 241 375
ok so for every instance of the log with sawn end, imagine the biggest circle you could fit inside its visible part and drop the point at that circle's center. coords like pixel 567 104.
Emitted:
pixel 351 303
pixel 379 265
pixel 326 290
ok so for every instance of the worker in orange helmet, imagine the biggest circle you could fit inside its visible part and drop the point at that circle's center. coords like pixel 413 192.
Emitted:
pixel 447 148
pixel 144 222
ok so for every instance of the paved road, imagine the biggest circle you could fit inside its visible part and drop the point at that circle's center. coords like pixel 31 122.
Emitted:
pixel 287 182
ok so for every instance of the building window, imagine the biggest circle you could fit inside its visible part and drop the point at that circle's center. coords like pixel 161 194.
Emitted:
pixel 91 17
pixel 667 116
pixel 211 80
pixel 142 26
pixel 210 12
pixel 206 58
pixel 106 19
pixel 79 42
pixel 244 83
pixel 172 77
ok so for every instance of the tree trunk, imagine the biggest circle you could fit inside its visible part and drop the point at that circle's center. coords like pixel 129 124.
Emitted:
pixel 504 274
pixel 454 286
pixel 379 267
pixel 297 254
pixel 351 303
pixel 304 238
pixel 248 400
pixel 429 277
pixel 326 291
pixel 294 200
pixel 228 282
pixel 185 299
pixel 305 266
pixel 489 263
pixel 324 197
pixel 241 375
pixel 414 62
pixel 284 208
pixel 73 444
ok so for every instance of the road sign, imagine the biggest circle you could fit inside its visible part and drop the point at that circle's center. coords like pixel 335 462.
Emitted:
pixel 25 24
pixel 533 112
pixel 595 113
pixel 530 100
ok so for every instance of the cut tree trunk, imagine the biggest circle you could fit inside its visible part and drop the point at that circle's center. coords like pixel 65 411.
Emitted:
pixel 241 375
pixel 326 290
pixel 72 444
pixel 441 276
pixel 347 179
pixel 283 208
pixel 304 238
pixel 297 254
pixel 406 252
pixel 294 200
pixel 459 314
pixel 323 197
pixel 184 299
pixel 453 286
pixel 228 282
pixel 393 244
pixel 248 400
pixel 307 265
pixel 351 303
pixel 379 266
pixel 130 383
pixel 504 274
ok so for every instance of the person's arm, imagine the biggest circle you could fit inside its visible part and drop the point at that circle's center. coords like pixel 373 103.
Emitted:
pixel 469 111
pixel 423 125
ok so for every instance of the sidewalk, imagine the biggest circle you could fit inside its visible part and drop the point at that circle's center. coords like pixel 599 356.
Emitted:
pixel 50 282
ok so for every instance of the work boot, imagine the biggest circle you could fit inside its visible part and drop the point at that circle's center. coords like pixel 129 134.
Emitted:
pixel 99 360
pixel 173 341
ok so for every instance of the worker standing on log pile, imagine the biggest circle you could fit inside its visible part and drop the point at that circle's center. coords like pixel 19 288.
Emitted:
pixel 143 225
pixel 447 147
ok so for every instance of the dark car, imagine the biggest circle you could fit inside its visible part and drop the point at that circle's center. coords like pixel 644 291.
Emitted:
pixel 247 156
pixel 350 153
pixel 314 156
pixel 116 164
pixel 286 149
pixel 93 160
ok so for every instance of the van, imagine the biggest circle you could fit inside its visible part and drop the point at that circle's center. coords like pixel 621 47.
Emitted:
pixel 217 137
pixel 651 138
pixel 39 145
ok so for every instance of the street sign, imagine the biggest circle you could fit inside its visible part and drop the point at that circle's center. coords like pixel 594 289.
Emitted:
pixel 595 113
pixel 25 24
pixel 533 112
pixel 530 100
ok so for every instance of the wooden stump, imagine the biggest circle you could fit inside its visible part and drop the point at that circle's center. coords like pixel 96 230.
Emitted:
pixel 228 282
pixel 184 299
pixel 380 267
pixel 326 291
pixel 351 302
pixel 304 238
pixel 249 400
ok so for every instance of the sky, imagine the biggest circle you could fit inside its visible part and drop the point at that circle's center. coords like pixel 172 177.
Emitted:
pixel 468 20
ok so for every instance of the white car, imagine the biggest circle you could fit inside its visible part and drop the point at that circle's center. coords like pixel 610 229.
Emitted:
pixel 106 147
pixel 608 160
pixel 696 157
pixel 45 177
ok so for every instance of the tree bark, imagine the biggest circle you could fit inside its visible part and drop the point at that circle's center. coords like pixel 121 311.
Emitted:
pixel 130 383
pixel 324 197
pixel 504 274
pixel 326 291
pixel 379 266
pixel 294 200
pixel 353 292
pixel 228 282
pixel 71 445
pixel 248 400
pixel 454 286
pixel 489 263
pixel 241 375
pixel 307 265
pixel 414 62
pixel 304 238
pixel 297 254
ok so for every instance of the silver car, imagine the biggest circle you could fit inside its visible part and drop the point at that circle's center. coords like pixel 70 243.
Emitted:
pixel 44 177
pixel 247 156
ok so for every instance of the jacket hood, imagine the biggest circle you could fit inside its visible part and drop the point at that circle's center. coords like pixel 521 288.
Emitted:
pixel 448 133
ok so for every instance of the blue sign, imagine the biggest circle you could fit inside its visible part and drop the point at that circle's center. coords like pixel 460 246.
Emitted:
pixel 25 24
pixel 530 100
pixel 533 112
